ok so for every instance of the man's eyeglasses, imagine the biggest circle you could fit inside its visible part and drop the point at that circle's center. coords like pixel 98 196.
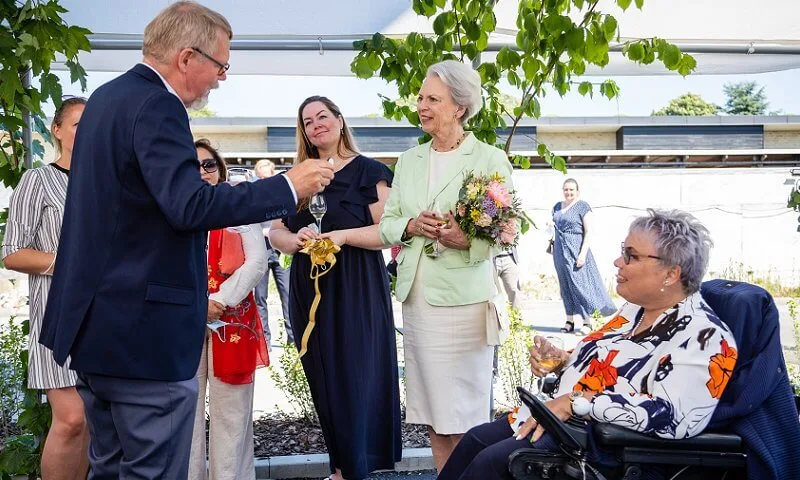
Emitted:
pixel 209 165
pixel 223 67
pixel 627 255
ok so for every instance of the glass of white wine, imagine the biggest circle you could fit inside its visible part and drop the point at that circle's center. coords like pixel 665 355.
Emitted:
pixel 436 208
pixel 550 352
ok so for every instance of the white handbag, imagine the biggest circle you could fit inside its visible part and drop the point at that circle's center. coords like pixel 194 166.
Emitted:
pixel 498 321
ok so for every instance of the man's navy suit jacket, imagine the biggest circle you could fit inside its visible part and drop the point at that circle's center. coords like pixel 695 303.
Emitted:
pixel 129 296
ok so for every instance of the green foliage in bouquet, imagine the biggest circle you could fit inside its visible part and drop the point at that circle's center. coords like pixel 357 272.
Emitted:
pixel 488 210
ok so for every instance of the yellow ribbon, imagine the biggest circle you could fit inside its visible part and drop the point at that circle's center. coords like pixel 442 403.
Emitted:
pixel 323 258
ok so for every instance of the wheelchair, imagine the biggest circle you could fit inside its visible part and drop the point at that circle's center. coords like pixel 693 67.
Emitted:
pixel 714 454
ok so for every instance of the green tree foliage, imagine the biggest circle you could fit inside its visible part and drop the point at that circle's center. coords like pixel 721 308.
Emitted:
pixel 204 112
pixel 745 98
pixel 557 40
pixel 688 105
pixel 32 32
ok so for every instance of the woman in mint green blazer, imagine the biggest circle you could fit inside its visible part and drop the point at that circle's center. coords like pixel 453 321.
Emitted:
pixel 446 286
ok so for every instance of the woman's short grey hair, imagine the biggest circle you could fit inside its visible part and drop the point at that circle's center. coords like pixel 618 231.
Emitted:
pixel 680 240
pixel 183 25
pixel 464 84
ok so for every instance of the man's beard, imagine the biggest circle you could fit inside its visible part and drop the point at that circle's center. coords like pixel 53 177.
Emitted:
pixel 201 102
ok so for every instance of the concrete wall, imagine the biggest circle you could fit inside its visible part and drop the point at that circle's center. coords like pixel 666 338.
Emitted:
pixel 782 139
pixel 745 210
pixel 578 140
pixel 237 142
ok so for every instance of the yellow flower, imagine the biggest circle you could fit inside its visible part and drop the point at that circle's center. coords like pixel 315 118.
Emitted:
pixel 473 190
pixel 475 215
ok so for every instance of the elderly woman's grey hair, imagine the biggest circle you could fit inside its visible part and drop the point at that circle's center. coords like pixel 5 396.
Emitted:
pixel 680 240
pixel 464 83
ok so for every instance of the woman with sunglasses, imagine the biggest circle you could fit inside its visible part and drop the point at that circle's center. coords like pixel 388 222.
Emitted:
pixel 31 240
pixel 659 367
pixel 231 352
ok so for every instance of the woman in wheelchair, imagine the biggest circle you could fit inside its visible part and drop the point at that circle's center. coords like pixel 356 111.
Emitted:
pixel 658 367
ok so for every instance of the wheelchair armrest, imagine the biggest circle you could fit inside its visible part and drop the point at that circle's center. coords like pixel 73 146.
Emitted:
pixel 571 437
pixel 615 436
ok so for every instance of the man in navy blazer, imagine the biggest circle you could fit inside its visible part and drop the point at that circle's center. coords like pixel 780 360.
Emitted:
pixel 129 299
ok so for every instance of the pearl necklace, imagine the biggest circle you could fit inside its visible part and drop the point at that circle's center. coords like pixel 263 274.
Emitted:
pixel 454 146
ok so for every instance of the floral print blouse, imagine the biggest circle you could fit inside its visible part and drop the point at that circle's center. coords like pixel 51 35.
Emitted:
pixel 665 381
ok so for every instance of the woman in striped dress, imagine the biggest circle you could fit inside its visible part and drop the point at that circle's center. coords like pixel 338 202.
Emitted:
pixel 29 246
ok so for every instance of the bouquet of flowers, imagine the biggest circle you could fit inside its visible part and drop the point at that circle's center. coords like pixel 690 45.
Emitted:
pixel 487 210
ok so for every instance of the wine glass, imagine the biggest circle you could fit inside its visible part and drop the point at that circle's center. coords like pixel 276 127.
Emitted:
pixel 436 208
pixel 318 207
pixel 550 351
pixel 237 175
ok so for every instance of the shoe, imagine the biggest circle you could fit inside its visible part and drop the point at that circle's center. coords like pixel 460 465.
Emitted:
pixel 568 327
pixel 583 331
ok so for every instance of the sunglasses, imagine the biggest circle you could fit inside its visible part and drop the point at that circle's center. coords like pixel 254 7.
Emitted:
pixel 627 255
pixel 209 165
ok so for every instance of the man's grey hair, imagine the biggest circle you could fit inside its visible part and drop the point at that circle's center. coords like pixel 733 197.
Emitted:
pixel 183 25
pixel 680 240
pixel 464 84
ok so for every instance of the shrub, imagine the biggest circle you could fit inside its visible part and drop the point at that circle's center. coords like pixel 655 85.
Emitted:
pixel 513 366
pixel 290 378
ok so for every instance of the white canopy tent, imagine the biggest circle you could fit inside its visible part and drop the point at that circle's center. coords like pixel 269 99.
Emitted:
pixel 315 38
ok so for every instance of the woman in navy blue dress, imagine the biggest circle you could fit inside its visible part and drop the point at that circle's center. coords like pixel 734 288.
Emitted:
pixel 582 289
pixel 351 363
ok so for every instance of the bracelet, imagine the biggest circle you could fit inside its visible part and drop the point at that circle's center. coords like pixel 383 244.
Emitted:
pixel 49 269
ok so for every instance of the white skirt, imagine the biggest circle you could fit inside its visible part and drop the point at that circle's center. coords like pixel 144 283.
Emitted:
pixel 448 363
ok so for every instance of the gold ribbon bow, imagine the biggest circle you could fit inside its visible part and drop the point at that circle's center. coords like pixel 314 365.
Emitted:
pixel 323 258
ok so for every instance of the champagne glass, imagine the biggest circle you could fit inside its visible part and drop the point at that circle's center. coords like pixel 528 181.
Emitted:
pixel 237 175
pixel 318 208
pixel 550 351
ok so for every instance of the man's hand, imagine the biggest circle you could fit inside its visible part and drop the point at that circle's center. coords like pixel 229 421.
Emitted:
pixel 215 310
pixel 310 176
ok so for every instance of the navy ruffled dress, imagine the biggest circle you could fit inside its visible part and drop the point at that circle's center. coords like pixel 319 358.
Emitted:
pixel 351 363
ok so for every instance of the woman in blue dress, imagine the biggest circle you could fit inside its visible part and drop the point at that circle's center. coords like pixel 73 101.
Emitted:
pixel 351 362
pixel 582 289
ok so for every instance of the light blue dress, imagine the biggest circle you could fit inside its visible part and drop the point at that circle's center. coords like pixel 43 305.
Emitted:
pixel 582 289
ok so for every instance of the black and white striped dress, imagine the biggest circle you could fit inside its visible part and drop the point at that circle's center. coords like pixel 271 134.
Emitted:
pixel 34 221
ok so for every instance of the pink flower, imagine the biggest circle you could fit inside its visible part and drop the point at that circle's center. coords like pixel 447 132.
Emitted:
pixel 508 232
pixel 499 193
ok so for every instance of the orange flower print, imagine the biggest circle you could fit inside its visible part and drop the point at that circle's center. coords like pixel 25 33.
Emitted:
pixel 599 376
pixel 613 324
pixel 720 368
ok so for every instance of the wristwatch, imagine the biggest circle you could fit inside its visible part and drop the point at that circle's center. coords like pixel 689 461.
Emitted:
pixel 581 406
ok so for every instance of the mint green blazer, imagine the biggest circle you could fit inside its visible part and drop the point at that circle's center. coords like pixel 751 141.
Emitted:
pixel 456 277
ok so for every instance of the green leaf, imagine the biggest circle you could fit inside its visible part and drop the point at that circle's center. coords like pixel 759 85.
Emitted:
pixel 489 22
pixel 530 66
pixel 374 61
pixel 610 27
pixel 639 4
pixel 624 4
pixel 671 56
pixel 559 164
pixel 541 149
pixel 636 52
pixel 473 30
pixel 482 42
pixel 585 88
pixel 687 65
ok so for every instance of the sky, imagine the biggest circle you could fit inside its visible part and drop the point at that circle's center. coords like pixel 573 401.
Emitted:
pixel 279 96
